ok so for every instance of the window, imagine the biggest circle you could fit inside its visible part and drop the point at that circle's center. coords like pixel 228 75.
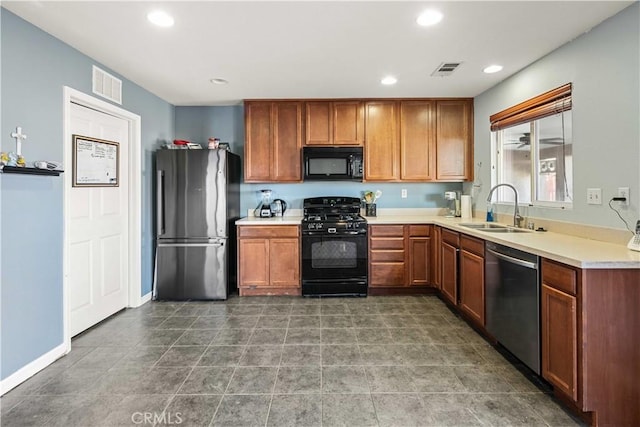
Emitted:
pixel 533 150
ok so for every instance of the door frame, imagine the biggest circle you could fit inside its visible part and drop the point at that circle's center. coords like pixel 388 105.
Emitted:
pixel 134 282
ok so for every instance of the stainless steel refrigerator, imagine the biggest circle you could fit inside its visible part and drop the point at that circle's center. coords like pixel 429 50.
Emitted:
pixel 197 204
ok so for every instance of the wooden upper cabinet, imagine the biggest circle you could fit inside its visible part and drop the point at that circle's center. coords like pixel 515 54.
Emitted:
pixel 417 140
pixel 382 147
pixel 319 123
pixel 454 142
pixel 257 150
pixel 348 123
pixel 273 141
pixel 287 141
pixel 334 123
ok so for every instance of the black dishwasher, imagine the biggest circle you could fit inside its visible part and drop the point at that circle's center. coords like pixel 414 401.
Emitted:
pixel 512 281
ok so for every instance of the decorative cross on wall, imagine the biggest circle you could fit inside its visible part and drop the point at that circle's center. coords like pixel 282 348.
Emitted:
pixel 19 136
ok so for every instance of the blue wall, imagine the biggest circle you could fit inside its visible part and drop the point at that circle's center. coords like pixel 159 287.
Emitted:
pixel 197 124
pixel 34 69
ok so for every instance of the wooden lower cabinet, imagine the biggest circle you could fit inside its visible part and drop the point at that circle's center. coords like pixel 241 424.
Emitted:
pixel 269 260
pixel 449 249
pixel 590 351
pixel 420 256
pixel 387 256
pixel 472 278
pixel 253 263
pixel 400 256
pixel 436 242
pixel 559 340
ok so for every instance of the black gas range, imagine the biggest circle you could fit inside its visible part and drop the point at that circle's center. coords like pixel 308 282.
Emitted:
pixel 334 247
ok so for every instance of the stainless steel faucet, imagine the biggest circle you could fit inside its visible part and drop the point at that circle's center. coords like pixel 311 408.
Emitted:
pixel 516 212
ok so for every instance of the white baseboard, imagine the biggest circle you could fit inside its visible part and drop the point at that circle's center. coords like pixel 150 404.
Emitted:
pixel 145 298
pixel 29 370
pixel 137 302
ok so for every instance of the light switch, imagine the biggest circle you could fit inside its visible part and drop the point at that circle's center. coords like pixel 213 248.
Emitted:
pixel 594 196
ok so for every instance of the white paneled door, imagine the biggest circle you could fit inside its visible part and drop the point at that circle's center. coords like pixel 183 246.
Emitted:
pixel 97 250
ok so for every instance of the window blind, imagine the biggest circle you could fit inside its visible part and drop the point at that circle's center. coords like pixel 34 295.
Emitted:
pixel 549 103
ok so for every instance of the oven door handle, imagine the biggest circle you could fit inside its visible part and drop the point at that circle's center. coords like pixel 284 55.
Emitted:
pixel 342 233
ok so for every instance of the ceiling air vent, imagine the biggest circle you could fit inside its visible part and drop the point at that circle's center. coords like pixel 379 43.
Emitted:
pixel 107 86
pixel 445 69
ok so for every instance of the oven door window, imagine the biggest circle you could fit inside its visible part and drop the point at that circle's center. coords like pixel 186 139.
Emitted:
pixel 327 257
pixel 334 254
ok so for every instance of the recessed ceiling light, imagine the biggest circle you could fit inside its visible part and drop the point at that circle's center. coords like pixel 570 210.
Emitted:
pixel 429 17
pixel 219 81
pixel 493 69
pixel 389 80
pixel 160 18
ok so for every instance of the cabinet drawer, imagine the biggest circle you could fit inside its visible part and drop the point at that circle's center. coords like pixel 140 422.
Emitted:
pixel 451 237
pixel 268 231
pixel 386 230
pixel 559 276
pixel 419 230
pixel 387 274
pixel 387 256
pixel 473 245
pixel 387 243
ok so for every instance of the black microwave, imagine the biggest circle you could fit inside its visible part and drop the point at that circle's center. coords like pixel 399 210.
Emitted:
pixel 332 163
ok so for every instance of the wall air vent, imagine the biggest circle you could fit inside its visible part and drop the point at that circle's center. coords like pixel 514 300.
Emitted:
pixel 107 86
pixel 445 69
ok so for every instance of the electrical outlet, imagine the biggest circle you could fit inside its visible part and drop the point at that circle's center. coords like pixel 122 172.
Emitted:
pixel 624 192
pixel 594 196
pixel 403 193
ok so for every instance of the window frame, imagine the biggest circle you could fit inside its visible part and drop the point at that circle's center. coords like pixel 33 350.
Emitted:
pixel 556 101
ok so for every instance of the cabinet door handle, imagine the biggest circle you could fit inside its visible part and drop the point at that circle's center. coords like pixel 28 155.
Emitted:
pixel 160 201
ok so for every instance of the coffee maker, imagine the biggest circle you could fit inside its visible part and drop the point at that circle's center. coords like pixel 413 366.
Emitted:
pixel 453 203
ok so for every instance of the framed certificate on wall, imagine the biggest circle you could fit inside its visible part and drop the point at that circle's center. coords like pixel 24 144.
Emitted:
pixel 96 162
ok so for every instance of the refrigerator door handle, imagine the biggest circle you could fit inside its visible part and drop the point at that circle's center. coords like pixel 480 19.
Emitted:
pixel 160 201
pixel 192 245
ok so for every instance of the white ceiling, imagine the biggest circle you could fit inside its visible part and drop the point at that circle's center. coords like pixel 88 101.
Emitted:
pixel 308 49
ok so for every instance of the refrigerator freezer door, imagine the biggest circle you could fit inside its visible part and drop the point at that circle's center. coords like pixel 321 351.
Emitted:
pixel 191 194
pixel 195 271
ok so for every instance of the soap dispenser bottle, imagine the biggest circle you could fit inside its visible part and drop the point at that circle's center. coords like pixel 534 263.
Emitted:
pixel 490 212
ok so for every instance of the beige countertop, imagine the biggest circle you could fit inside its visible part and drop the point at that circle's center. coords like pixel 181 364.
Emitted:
pixel 276 220
pixel 576 251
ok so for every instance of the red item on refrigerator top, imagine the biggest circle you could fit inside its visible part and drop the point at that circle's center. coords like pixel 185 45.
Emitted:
pixel 180 142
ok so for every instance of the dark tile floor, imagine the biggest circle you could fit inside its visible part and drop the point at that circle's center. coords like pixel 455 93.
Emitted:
pixel 283 361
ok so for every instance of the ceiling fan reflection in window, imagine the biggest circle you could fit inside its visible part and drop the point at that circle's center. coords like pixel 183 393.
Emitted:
pixel 525 140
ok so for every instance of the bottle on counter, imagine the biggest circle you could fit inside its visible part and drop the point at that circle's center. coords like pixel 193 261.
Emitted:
pixel 490 212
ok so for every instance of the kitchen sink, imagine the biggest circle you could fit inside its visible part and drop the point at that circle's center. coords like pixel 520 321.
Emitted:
pixel 484 225
pixel 504 230
pixel 494 228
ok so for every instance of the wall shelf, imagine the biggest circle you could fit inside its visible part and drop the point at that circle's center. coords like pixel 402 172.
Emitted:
pixel 31 171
